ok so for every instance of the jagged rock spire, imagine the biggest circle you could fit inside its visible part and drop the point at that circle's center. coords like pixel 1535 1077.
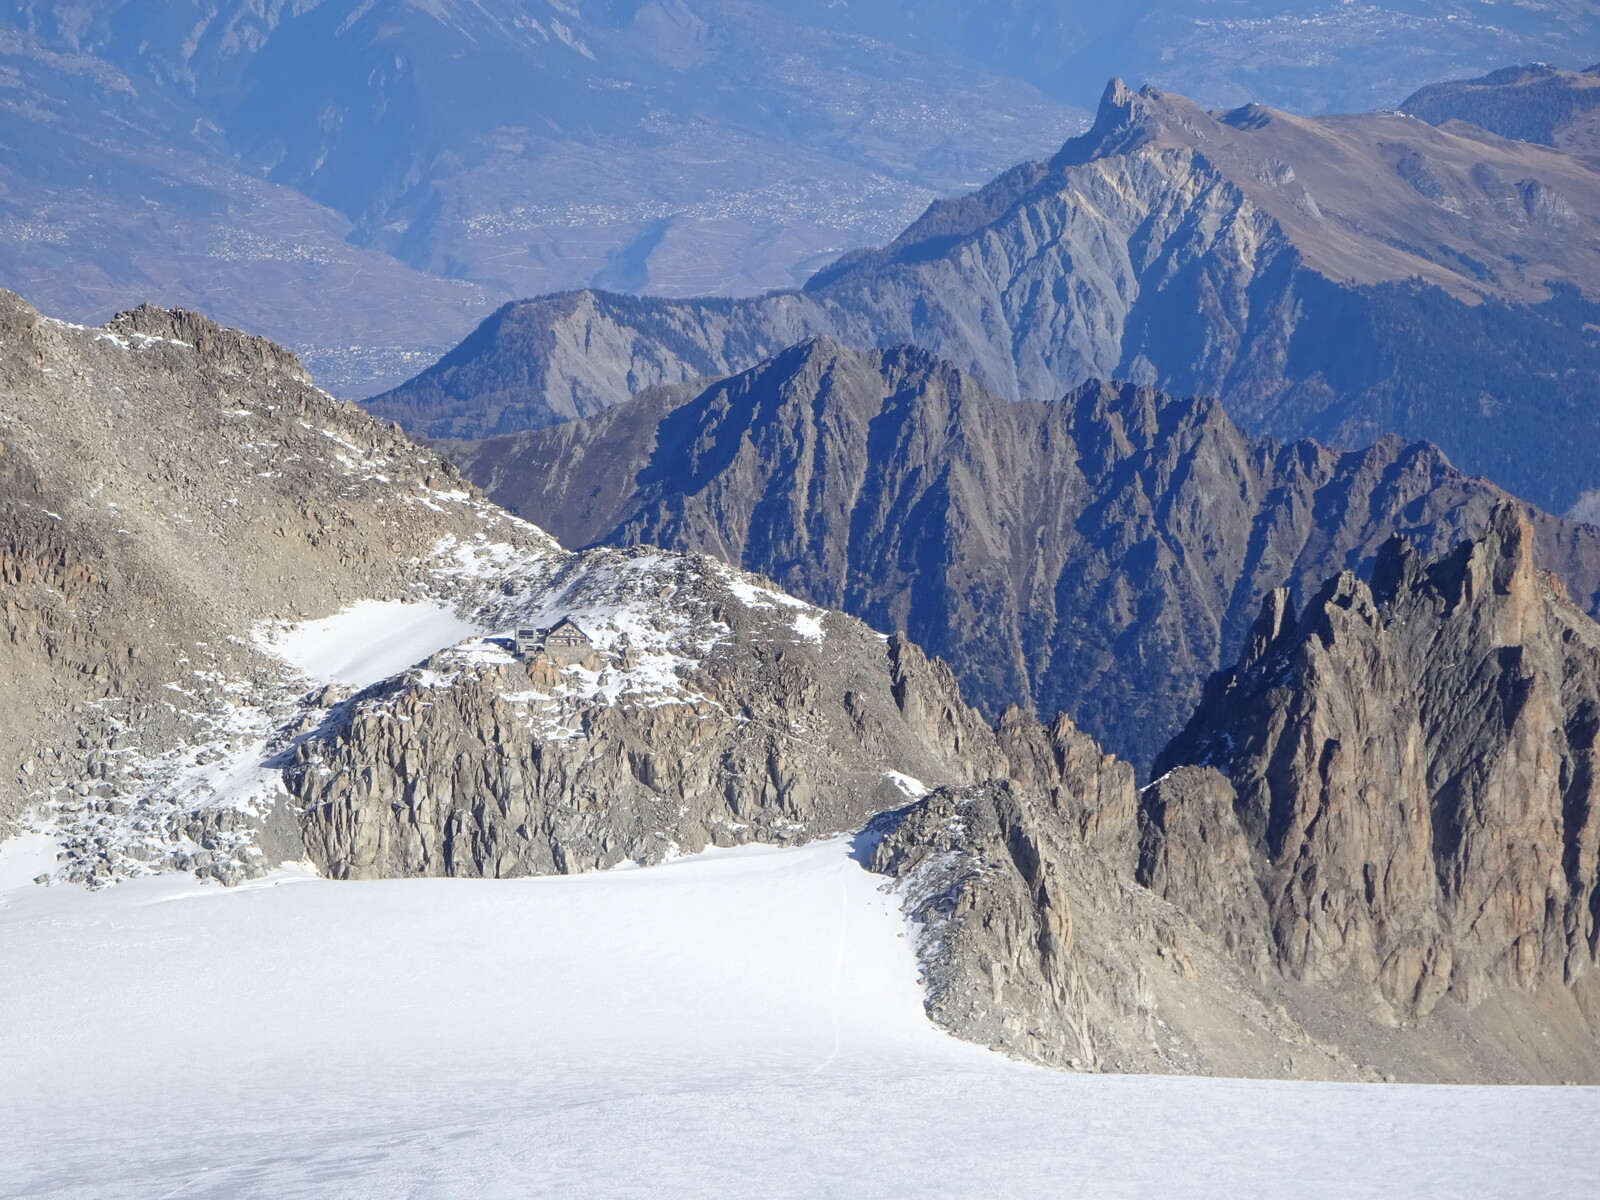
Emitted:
pixel 1416 776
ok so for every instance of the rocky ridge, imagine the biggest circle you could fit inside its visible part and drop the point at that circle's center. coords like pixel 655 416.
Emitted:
pixel 712 710
pixel 1409 783
pixel 1036 941
pixel 1100 554
pixel 168 486
pixel 1203 253
pixel 1374 844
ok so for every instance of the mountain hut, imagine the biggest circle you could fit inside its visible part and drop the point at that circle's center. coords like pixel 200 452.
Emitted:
pixel 565 643
pixel 527 642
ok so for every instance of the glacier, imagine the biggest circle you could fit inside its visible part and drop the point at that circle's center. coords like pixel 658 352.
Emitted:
pixel 737 1022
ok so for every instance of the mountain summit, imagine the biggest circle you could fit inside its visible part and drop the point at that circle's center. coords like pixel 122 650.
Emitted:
pixel 1338 277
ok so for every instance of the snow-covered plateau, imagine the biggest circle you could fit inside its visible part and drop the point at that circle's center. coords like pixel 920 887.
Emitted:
pixel 744 1022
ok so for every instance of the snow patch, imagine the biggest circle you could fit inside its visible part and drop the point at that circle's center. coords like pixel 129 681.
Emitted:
pixel 808 620
pixel 367 642
pixel 914 789
pixel 753 595
pixel 24 857
pixel 809 626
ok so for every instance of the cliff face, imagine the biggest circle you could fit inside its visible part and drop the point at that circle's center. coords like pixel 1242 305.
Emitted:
pixel 1372 852
pixel 1412 767
pixel 1100 554
pixel 1035 941
pixel 1338 277
pixel 711 711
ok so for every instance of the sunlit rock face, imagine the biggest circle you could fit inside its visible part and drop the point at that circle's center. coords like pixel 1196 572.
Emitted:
pixel 1412 765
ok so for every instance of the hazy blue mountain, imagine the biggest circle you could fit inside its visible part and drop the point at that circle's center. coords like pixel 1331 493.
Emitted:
pixel 509 148
pixel 1535 103
pixel 513 147
pixel 1339 277
pixel 112 190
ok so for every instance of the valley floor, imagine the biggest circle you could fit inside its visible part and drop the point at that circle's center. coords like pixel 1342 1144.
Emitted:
pixel 739 1023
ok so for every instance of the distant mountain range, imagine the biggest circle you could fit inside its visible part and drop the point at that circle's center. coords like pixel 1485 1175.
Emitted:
pixel 1098 554
pixel 1537 103
pixel 365 179
pixel 1338 277
pixel 296 167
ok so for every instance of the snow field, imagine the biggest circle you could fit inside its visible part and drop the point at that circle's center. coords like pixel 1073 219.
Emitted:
pixel 737 1023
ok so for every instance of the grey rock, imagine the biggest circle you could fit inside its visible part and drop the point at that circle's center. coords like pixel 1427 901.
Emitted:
pixel 1411 765
pixel 738 721
pixel 1098 554
pixel 1037 943
pixel 731 726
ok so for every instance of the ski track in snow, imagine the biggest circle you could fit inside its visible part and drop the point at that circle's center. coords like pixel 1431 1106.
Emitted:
pixel 739 1023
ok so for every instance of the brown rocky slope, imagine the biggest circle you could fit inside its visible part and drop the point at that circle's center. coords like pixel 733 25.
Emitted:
pixel 1338 277
pixel 1099 554
pixel 1410 770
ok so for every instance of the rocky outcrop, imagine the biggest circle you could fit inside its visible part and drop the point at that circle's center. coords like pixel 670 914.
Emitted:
pixel 993 880
pixel 1099 554
pixel 1035 941
pixel 1371 854
pixel 711 712
pixel 1338 277
pixel 1193 854
pixel 1411 765
pixel 168 490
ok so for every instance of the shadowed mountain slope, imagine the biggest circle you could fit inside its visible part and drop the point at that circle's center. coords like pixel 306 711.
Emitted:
pixel 1535 103
pixel 1099 554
